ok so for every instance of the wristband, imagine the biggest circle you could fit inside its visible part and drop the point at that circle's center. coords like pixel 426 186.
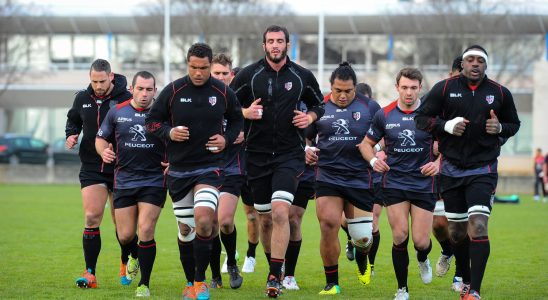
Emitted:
pixel 378 147
pixel 450 125
pixel 500 127
pixel 372 162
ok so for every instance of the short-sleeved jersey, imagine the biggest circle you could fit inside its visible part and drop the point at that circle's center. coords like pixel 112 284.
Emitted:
pixel 407 149
pixel 139 153
pixel 339 131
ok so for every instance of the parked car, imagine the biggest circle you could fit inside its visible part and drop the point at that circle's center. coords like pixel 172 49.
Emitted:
pixel 62 155
pixel 15 148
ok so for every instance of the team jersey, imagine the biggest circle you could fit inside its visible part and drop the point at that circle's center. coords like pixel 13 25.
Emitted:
pixel 407 149
pixel 339 131
pixel 138 153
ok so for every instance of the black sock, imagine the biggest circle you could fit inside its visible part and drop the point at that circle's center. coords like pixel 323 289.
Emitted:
pixel 446 247
pixel 400 259
pixel 331 274
pixel 345 228
pixel 130 248
pixel 276 266
pixel 479 254
pixel 215 259
pixel 124 251
pixel 374 247
pixel 361 260
pixel 462 259
pixel 267 257
pixel 229 241
pixel 422 255
pixel 147 255
pixel 186 255
pixel 91 242
pixel 202 253
pixel 291 257
pixel 251 249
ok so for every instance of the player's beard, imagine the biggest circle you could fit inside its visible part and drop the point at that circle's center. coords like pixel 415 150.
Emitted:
pixel 283 55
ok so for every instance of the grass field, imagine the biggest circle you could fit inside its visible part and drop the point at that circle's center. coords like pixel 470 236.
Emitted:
pixel 41 255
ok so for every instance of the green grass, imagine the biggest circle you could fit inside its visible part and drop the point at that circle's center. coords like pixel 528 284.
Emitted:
pixel 41 255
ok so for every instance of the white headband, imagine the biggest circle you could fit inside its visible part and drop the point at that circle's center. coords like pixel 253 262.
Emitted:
pixel 476 53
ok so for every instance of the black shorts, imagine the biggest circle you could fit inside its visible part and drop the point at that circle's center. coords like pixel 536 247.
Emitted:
pixel 233 185
pixel 461 193
pixel 426 201
pixel 88 178
pixel 179 187
pixel 360 198
pixel 247 198
pixel 305 192
pixel 267 173
pixel 130 197
pixel 379 196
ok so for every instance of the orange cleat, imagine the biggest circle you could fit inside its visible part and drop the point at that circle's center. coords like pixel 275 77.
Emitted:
pixel 87 280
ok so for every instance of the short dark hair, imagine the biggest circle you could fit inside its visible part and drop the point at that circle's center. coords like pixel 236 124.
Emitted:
pixel 343 72
pixel 144 75
pixel 222 59
pixel 476 47
pixel 457 64
pixel 364 89
pixel 200 50
pixel 100 65
pixel 411 73
pixel 276 28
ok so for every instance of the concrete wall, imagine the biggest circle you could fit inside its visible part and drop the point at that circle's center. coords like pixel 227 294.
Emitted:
pixel 540 106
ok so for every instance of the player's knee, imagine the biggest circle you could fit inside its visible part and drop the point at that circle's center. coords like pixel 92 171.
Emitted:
pixel 227 227
pixel 252 217
pixel 187 232
pixel 280 216
pixel 206 197
pixel 361 231
pixel 400 235
pixel 457 235
pixel 125 237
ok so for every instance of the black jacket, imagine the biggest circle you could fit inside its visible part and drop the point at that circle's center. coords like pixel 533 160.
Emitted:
pixel 452 98
pixel 202 109
pixel 87 114
pixel 280 94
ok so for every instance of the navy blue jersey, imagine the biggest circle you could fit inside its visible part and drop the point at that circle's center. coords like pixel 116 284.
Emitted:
pixel 339 131
pixel 234 158
pixel 407 149
pixel 139 153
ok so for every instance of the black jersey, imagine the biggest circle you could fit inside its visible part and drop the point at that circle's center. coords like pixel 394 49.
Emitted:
pixel 138 153
pixel 451 98
pixel 202 109
pixel 86 115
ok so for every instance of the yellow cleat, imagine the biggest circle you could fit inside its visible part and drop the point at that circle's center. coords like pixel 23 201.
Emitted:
pixel 331 289
pixel 363 278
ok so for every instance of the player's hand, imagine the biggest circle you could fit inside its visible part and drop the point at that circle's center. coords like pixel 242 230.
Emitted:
pixel 108 154
pixel 381 155
pixel 456 126
pixel 239 139
pixel 179 134
pixel 380 165
pixel 216 143
pixel 492 125
pixel 430 169
pixel 165 165
pixel 301 120
pixel 71 141
pixel 254 111
pixel 311 155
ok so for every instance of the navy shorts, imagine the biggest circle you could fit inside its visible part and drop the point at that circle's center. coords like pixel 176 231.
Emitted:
pixel 462 193
pixel 379 196
pixel 305 192
pixel 148 194
pixel 360 198
pixel 88 178
pixel 426 201
pixel 233 185
pixel 247 198
pixel 179 187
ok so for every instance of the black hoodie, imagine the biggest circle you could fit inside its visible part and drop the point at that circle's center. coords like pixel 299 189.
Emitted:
pixel 87 113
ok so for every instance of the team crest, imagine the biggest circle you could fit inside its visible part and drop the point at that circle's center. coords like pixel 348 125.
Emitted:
pixel 356 115
pixel 288 85
pixel 489 99
pixel 212 100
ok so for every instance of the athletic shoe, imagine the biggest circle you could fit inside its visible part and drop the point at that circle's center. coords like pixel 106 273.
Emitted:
pixel 536 198
pixel 249 265
pixel 87 280
pixel 330 289
pixel 142 291
pixel 369 272
pixel 350 250
pixel 425 271
pixel 235 277
pixel 465 291
pixel 273 287
pixel 189 293
pixel 473 295
pixel 401 294
pixel 216 283
pixel 362 278
pixel 224 268
pixel 443 265
pixel 290 283
pixel 132 268
pixel 123 278
pixel 202 292
pixel 457 284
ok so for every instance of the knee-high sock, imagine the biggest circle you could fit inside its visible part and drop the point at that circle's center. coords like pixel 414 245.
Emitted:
pixel 229 241
pixel 479 254
pixel 91 242
pixel 374 247
pixel 202 253
pixel 215 259
pixel 186 255
pixel 147 255
pixel 400 259
pixel 291 257
pixel 462 259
